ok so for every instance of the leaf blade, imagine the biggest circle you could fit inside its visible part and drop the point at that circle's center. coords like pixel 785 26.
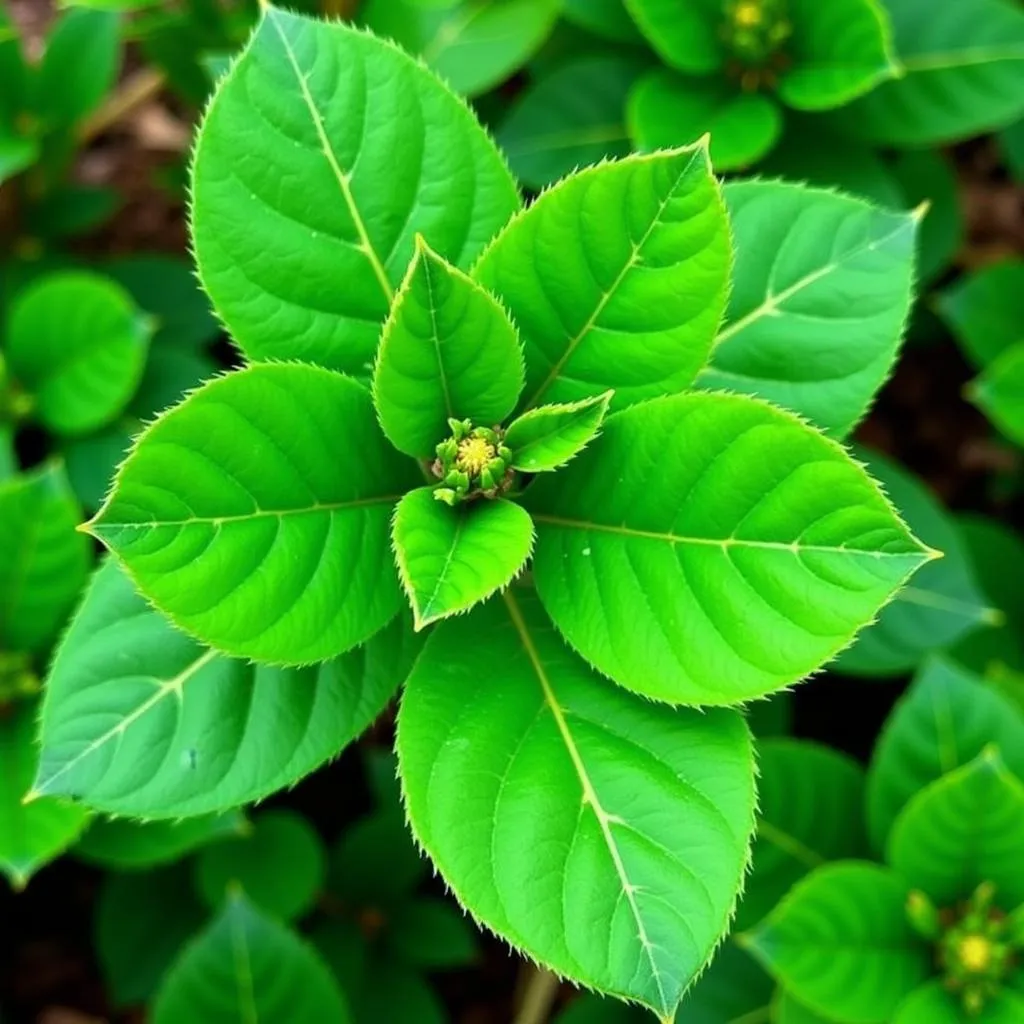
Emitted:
pixel 548 436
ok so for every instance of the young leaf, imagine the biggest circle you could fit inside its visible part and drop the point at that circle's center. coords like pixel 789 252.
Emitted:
pixel 999 392
pixel 941 605
pixel 801 254
pixel 945 720
pixel 448 351
pixel 34 834
pixel 616 277
pixel 77 343
pixel 570 118
pixel 296 242
pixel 474 45
pixel 247 967
pixel 962 74
pixel 280 864
pixel 668 109
pixel 841 943
pixel 450 559
pixel 809 813
pixel 964 829
pixel 139 719
pixel 697 527
pixel 255 514
pixel 44 563
pixel 577 821
pixel 548 436
pixel 687 36
pixel 143 920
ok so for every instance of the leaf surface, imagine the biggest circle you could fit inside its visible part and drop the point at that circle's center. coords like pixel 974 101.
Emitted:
pixel 933 1004
pixel 709 548
pixel 985 310
pixel 322 155
pixel 821 293
pixel 999 392
pixel 616 278
pixel 580 823
pixel 255 514
pixel 686 36
pixel 549 436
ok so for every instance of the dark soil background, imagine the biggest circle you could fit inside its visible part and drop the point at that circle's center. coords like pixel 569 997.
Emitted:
pixel 48 973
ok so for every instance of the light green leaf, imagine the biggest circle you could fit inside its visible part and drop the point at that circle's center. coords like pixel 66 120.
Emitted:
pixel 473 45
pixel 450 559
pixel 31 835
pixel 999 392
pixel 247 967
pixel 282 557
pixel 139 719
pixel 668 109
pixel 303 223
pixel 792 334
pixel 77 344
pixel 448 351
pixel 78 67
pixel 44 563
pixel 572 117
pixel 579 822
pixel 687 36
pixel 143 919
pixel 838 51
pixel 933 1004
pixel 985 310
pixel 607 18
pixel 280 863
pixel 709 548
pixel 962 74
pixel 810 812
pixel 941 605
pixel 841 943
pixel 964 829
pixel 131 846
pixel 549 436
pixel 945 720
pixel 616 278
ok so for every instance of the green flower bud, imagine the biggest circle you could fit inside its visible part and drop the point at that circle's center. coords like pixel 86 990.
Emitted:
pixel 447 495
pixel 923 916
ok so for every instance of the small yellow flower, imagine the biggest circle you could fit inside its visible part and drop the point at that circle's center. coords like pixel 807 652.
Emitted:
pixel 975 953
pixel 748 15
pixel 474 455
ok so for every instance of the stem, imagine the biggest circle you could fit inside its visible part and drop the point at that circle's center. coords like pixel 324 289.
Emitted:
pixel 135 90
pixel 540 992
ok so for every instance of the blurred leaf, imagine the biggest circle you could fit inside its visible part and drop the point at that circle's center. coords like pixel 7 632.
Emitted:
pixel 73 210
pixel 432 934
pixel 375 864
pixel 607 18
pixel 91 461
pixel 999 392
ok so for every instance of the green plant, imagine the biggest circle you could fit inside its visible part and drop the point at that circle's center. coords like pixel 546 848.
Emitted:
pixel 530 411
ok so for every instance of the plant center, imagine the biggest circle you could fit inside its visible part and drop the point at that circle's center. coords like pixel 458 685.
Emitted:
pixel 475 454
pixel 754 33
pixel 472 463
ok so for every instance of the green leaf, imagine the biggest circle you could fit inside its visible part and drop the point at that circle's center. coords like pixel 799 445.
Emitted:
pixel 450 559
pixel 606 18
pixel 687 36
pixel 142 921
pixel 841 943
pixel 280 863
pixel 13 75
pixel 432 934
pixel 945 720
pixel 549 436
pixel 999 392
pixel 91 461
pixel 166 288
pixel 17 152
pixel 941 605
pixel 247 967
pixel 771 718
pixel 801 254
pixel 708 549
pixel 786 1010
pixel 31 835
pixel 78 68
pixel 962 74
pixel 964 829
pixel 577 821
pixel 170 373
pixel 291 196
pixel 73 210
pixel 933 1004
pixel 668 109
pixel 139 719
pixel 1011 145
pixel 448 351
pixel 809 813
pixel 473 45
pixel 734 989
pixel 985 310
pixel 131 846
pixel 616 278
pixel 44 563
pixel 837 51
pixel 77 343
pixel 281 558
pixel 572 117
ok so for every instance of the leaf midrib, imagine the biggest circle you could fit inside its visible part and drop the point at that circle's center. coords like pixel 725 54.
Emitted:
pixel 589 793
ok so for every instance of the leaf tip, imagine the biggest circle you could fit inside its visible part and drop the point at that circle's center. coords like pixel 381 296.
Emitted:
pixel 32 796
pixel 921 211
